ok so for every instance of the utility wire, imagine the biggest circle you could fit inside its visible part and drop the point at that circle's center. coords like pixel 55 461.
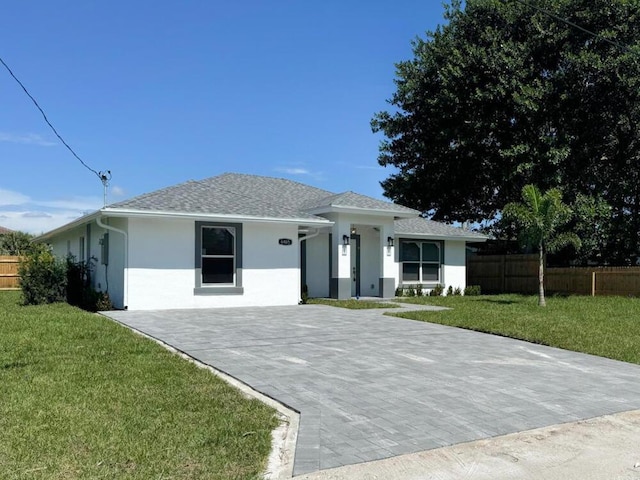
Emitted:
pixel 99 175
pixel 619 45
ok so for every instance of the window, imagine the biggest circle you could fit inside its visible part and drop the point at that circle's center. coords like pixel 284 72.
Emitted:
pixel 420 261
pixel 218 259
pixel 81 249
pixel 218 255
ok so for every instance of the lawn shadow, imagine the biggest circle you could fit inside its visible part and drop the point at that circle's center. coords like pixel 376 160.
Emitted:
pixel 499 301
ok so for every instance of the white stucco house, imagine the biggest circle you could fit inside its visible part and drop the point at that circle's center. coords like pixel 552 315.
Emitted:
pixel 246 240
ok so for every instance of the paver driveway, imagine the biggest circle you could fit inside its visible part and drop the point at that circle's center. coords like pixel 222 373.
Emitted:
pixel 369 386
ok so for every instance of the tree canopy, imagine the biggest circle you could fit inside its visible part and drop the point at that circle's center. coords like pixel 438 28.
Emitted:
pixel 16 243
pixel 503 95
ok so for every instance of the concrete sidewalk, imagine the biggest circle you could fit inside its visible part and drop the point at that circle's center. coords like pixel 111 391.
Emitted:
pixel 370 387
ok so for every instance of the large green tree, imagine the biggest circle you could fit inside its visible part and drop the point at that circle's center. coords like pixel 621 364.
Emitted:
pixel 539 219
pixel 504 95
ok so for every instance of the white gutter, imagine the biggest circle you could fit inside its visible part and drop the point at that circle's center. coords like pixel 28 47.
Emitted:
pixel 125 293
pixel 364 211
pixel 222 217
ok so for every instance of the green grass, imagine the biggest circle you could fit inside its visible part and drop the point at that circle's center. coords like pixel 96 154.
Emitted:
pixel 84 398
pixel 351 303
pixel 604 326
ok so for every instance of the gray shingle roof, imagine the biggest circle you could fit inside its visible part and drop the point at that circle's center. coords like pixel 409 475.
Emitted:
pixel 231 194
pixel 251 195
pixel 423 226
pixel 355 200
pixel 267 197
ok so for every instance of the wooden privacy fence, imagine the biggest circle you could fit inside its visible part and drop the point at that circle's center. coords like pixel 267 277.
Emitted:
pixel 9 272
pixel 519 274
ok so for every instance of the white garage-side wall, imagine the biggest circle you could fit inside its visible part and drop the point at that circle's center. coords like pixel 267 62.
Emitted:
pixel 454 265
pixel 162 266
pixel 317 265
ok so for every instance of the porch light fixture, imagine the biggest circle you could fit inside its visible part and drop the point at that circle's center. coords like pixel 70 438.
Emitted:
pixel 389 241
pixel 345 240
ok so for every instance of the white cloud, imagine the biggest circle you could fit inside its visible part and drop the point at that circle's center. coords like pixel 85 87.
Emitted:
pixel 36 215
pixel 293 170
pixel 368 167
pixel 72 203
pixel 26 221
pixel 20 212
pixel 9 197
pixel 117 191
pixel 26 139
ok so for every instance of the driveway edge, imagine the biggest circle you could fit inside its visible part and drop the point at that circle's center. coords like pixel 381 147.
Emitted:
pixel 283 438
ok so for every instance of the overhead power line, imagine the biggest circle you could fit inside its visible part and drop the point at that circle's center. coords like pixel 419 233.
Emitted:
pixel 100 175
pixel 619 45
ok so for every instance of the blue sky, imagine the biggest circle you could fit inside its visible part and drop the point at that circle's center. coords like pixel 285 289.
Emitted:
pixel 164 92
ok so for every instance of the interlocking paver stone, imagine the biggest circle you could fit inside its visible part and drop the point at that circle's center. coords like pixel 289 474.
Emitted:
pixel 369 386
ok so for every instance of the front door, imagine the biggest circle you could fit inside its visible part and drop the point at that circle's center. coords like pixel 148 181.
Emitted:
pixel 355 265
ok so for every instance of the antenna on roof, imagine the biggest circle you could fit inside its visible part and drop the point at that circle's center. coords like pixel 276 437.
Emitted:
pixel 104 178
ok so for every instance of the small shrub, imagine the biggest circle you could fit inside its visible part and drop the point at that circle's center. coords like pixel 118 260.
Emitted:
pixel 419 291
pixel 304 295
pixel 457 292
pixel 436 291
pixel 410 292
pixel 399 292
pixel 472 290
pixel 450 290
pixel 103 302
pixel 43 278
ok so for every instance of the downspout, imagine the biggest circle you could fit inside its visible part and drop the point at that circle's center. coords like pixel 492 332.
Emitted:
pixel 300 240
pixel 125 293
pixel 307 237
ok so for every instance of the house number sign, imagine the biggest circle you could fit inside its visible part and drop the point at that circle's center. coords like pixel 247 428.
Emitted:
pixel 285 241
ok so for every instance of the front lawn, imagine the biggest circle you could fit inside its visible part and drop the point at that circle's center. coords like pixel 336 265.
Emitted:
pixel 351 303
pixel 83 397
pixel 604 326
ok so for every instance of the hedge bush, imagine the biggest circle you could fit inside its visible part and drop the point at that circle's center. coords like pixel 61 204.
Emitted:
pixel 43 278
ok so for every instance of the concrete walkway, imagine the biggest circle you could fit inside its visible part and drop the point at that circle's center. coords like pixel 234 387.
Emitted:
pixel 369 386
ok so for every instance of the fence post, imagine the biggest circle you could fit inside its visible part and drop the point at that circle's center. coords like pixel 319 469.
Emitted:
pixel 593 284
pixel 503 274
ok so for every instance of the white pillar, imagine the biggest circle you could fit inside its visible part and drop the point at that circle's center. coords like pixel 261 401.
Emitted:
pixel 340 286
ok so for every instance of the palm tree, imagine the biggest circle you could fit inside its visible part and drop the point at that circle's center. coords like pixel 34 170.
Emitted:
pixel 540 218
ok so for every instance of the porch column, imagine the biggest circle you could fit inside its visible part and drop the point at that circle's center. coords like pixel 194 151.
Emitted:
pixel 340 284
pixel 387 281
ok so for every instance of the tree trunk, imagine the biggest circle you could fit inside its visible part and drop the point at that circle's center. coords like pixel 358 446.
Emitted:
pixel 541 300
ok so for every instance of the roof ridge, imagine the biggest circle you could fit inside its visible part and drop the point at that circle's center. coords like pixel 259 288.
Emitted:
pixel 288 180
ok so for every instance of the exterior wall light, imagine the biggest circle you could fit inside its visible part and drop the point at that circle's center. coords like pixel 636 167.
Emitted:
pixel 345 240
pixel 389 241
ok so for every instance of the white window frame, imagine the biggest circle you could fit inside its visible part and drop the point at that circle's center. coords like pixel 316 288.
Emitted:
pixel 421 262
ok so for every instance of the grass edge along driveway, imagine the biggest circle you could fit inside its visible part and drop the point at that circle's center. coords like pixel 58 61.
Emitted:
pixel 604 326
pixel 83 397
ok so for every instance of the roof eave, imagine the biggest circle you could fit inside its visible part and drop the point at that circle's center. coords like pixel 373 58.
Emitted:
pixel 121 212
pixel 466 238
pixel 396 214
pixel 68 226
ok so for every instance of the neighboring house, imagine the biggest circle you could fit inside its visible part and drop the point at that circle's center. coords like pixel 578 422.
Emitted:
pixel 245 240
